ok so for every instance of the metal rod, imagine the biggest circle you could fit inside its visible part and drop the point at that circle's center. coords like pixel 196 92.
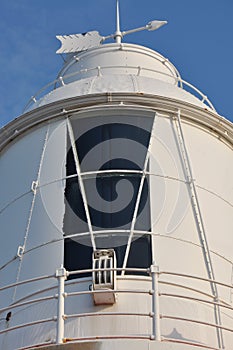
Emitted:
pixel 196 321
pixel 131 31
pixel 95 314
pixel 13 306
pixel 102 337
pixel 80 181
pixel 36 345
pixel 195 299
pixel 187 342
pixel 61 275
pixel 155 303
pixel 118 291
pixel 131 269
pixel 196 277
pixel 26 281
pixel 31 211
pixel 199 221
pixel 136 208
pixel 29 324
pixel 118 34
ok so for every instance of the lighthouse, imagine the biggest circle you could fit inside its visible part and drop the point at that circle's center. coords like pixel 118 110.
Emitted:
pixel 116 206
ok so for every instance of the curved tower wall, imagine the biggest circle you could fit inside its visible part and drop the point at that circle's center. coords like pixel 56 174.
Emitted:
pixel 147 175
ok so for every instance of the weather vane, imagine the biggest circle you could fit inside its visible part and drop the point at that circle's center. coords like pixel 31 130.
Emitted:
pixel 80 42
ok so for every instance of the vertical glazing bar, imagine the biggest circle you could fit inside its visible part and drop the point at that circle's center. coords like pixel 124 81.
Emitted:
pixel 155 303
pixel 61 276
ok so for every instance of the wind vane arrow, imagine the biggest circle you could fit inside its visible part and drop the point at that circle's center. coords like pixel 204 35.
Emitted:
pixel 79 42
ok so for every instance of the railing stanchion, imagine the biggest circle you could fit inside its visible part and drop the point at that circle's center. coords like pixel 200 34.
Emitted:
pixel 61 275
pixel 155 302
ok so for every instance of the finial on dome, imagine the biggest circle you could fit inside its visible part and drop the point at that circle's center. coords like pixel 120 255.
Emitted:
pixel 81 42
pixel 118 33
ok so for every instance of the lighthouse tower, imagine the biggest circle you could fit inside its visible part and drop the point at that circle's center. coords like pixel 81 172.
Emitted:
pixel 116 206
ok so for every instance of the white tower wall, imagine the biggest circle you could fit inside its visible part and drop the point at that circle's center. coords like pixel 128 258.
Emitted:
pixel 169 154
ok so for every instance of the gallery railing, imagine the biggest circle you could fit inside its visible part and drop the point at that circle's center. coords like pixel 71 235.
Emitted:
pixel 99 71
pixel 154 280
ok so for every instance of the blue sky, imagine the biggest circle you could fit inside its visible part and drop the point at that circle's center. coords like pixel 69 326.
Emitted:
pixel 198 40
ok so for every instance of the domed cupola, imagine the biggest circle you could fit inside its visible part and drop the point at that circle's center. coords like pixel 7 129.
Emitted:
pixel 92 67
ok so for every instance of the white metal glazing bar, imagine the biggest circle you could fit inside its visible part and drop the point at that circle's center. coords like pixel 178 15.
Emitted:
pixel 199 221
pixel 138 200
pixel 80 180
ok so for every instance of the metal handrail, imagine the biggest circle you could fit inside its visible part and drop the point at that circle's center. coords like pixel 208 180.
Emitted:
pixel 196 299
pixel 118 291
pixel 186 342
pixel 118 269
pixel 61 80
pixel 104 337
pixel 29 302
pixel 113 313
pixel 154 314
pixel 33 347
pixel 191 320
pixel 26 281
pixel 196 277
pixel 46 320
pixel 187 288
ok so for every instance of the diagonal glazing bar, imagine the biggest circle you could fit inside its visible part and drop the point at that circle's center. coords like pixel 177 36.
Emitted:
pixel 138 200
pixel 80 181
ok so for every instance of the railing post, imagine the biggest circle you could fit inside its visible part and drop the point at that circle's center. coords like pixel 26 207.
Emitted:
pixel 61 275
pixel 155 302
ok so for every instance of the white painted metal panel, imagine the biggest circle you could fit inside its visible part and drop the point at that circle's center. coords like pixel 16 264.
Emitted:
pixel 111 325
pixel 39 262
pixel 8 275
pixel 118 83
pixel 47 219
pixel 173 255
pixel 29 335
pixel 176 243
pixel 212 161
pixel 32 229
pixel 20 164
pixel 118 59
pixel 13 223
pixel 170 198
pixel 45 226
pixel 218 218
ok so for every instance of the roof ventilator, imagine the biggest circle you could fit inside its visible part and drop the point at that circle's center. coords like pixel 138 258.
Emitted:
pixel 104 279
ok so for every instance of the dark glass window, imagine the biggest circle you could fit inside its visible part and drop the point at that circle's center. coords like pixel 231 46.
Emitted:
pixel 116 152
pixel 79 256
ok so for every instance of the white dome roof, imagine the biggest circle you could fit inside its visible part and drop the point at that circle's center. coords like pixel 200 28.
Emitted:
pixel 126 68
pixel 119 83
